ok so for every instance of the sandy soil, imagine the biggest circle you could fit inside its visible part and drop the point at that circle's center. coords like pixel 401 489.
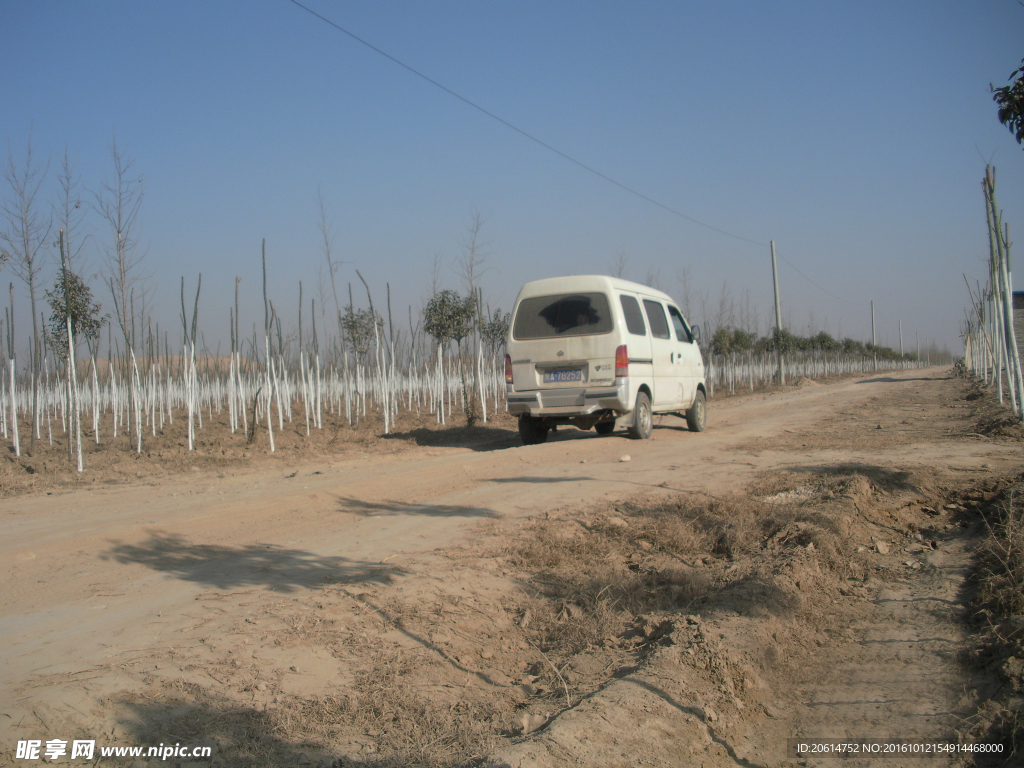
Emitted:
pixel 361 608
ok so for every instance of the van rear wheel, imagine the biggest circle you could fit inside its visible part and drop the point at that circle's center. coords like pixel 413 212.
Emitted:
pixel 696 415
pixel 643 422
pixel 533 431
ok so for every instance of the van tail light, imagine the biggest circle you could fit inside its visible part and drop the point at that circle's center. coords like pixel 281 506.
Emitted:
pixel 508 369
pixel 621 362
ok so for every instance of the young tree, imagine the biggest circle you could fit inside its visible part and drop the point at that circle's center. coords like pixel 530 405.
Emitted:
pixel 72 298
pixel 495 331
pixel 449 317
pixel 118 202
pixel 74 316
pixel 721 341
pixel 473 257
pixel 324 225
pixel 360 327
pixel 25 233
pixel 782 341
pixel 824 341
pixel 1010 99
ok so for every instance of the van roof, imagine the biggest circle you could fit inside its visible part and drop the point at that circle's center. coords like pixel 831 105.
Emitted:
pixel 582 283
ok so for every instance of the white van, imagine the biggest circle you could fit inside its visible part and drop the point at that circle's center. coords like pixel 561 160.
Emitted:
pixel 590 350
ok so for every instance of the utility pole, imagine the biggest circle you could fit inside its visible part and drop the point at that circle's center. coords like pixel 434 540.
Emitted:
pixel 901 338
pixel 778 312
pixel 873 342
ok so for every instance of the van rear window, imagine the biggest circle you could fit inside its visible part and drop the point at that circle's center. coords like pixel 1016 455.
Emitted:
pixel 566 314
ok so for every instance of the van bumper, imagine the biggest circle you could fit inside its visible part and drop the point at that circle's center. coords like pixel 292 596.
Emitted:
pixel 578 401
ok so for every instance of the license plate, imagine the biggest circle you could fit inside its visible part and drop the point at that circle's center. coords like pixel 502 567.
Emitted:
pixel 567 374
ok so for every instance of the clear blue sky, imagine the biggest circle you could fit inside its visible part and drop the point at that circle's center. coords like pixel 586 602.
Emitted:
pixel 853 134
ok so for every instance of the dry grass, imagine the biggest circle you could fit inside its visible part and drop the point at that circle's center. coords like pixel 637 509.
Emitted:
pixel 1000 577
pixel 593 580
pixel 997 611
pixel 381 721
pixel 310 629
pixel 406 727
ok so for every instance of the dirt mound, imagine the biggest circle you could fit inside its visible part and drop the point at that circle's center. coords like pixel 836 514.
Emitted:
pixel 993 419
pixel 1001 425
pixel 744 617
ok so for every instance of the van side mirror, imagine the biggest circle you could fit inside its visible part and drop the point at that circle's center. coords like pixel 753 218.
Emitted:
pixel 696 332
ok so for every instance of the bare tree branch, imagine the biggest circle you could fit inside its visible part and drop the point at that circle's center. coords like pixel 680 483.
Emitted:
pixel 118 202
pixel 70 214
pixel 26 233
pixel 474 253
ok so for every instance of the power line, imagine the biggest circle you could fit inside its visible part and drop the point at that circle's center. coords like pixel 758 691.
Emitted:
pixel 805 277
pixel 550 148
pixel 521 132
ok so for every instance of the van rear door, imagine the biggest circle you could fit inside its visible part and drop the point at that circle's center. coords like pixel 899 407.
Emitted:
pixel 562 341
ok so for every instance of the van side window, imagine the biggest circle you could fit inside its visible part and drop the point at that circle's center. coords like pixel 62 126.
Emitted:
pixel 634 317
pixel 656 317
pixel 682 330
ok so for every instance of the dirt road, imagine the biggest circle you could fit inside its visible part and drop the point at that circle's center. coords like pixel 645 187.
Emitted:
pixel 213 591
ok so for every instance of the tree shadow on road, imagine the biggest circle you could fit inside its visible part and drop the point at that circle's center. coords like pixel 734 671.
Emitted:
pixel 475 438
pixel 379 508
pixel 539 480
pixel 237 735
pixel 266 565
pixel 890 379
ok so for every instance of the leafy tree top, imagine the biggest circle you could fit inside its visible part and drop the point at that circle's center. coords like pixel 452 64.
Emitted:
pixel 1010 99
pixel 449 317
pixel 71 296
pixel 728 340
pixel 361 327
pixel 495 330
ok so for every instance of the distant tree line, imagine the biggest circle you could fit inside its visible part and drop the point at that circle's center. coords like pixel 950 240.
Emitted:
pixel 727 340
